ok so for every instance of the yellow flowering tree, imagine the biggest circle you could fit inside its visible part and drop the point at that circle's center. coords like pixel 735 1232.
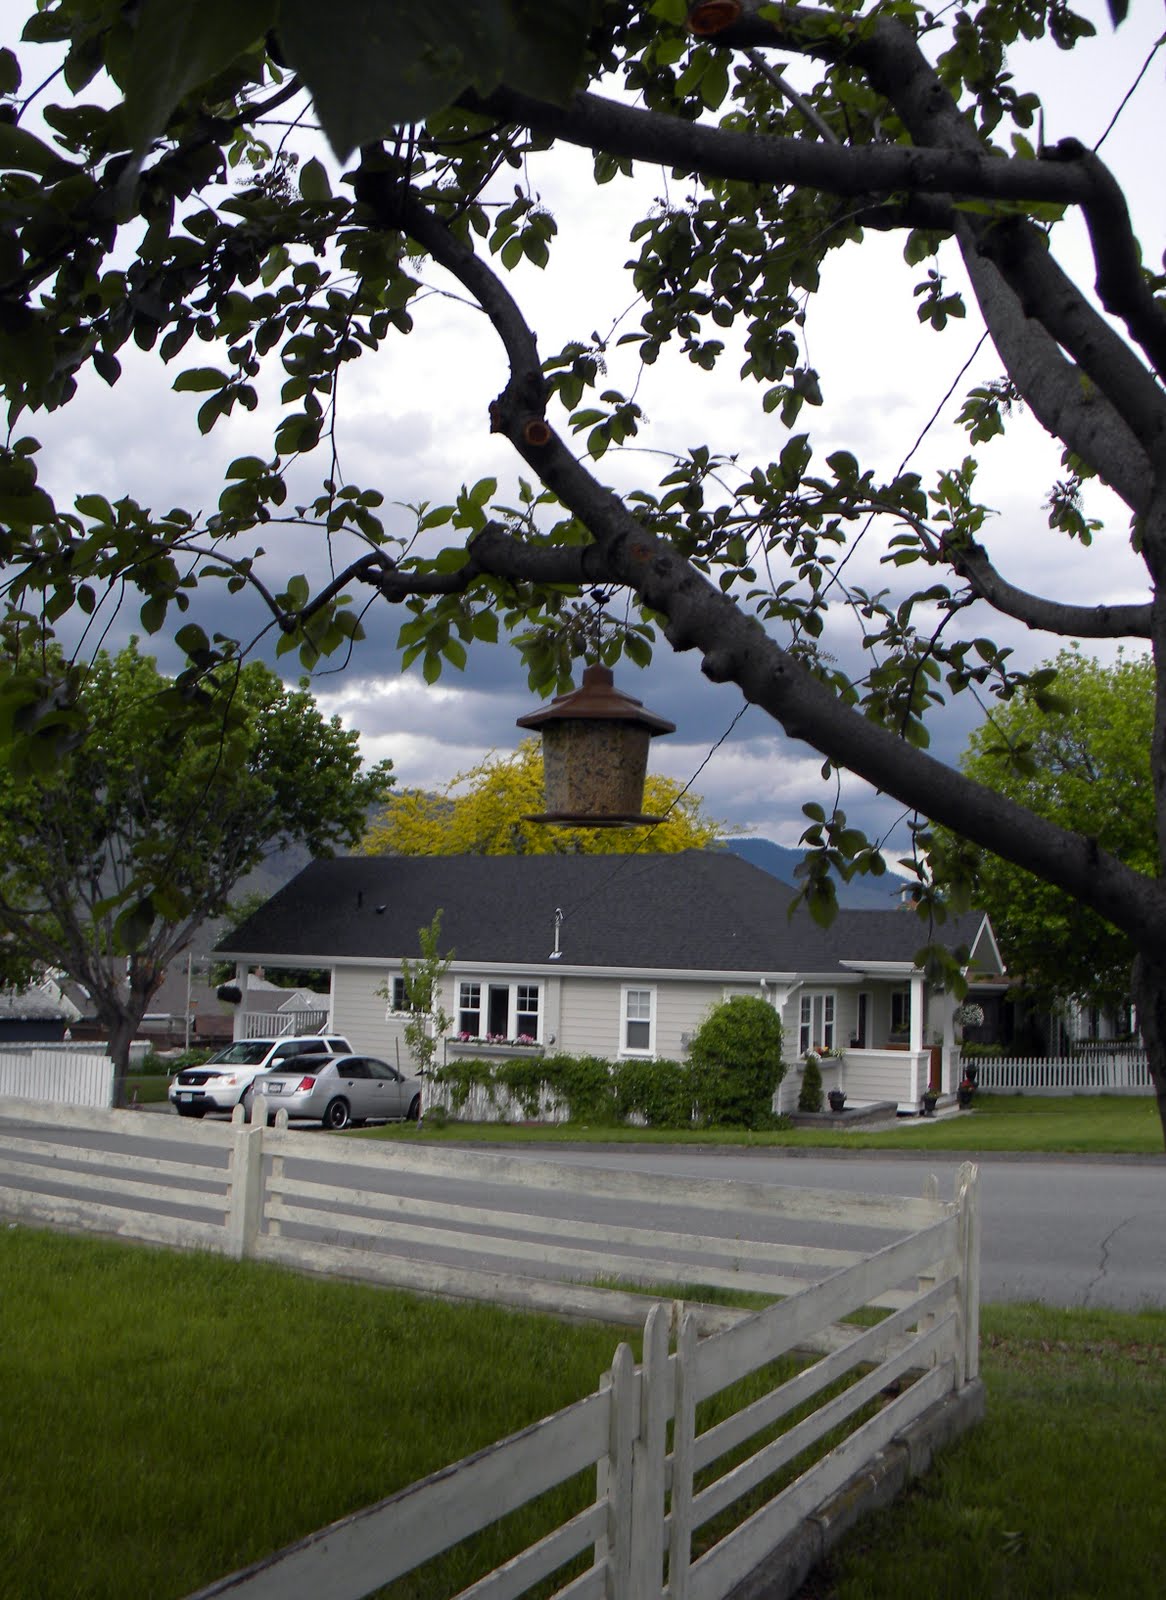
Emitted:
pixel 484 812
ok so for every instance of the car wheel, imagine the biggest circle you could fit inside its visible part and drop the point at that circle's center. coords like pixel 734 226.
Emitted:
pixel 414 1112
pixel 336 1114
pixel 192 1111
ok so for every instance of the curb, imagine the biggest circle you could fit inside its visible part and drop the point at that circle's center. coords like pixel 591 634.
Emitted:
pixel 788 1565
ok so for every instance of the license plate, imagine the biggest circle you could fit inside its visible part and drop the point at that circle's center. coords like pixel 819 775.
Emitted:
pixel 186 1098
pixel 272 1088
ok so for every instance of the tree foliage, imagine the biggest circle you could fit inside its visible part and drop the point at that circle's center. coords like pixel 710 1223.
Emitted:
pixel 486 812
pixel 1082 762
pixel 112 861
pixel 184 205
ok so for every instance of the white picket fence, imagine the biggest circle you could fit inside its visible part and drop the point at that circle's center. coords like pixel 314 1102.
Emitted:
pixel 1097 1071
pixel 56 1075
pixel 273 1194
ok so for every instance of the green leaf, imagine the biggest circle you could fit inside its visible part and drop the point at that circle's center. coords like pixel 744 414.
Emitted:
pixel 314 185
pixel 21 151
pixel 197 380
pixel 371 67
pixel 179 44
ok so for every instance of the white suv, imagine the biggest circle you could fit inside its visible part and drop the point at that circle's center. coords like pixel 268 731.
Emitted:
pixel 223 1082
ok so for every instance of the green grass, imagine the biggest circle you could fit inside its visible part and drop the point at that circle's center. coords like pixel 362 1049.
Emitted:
pixel 168 1418
pixel 1058 1494
pixel 1093 1124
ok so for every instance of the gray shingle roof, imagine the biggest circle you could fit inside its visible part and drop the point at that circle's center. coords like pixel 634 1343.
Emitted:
pixel 694 911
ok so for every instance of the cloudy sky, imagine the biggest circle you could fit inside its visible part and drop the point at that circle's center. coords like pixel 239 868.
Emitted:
pixel 414 423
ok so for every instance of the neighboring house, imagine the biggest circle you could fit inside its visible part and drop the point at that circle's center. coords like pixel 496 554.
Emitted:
pixel 616 956
pixel 43 1012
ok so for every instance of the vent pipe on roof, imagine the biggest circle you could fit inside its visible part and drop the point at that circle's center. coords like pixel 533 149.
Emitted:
pixel 556 953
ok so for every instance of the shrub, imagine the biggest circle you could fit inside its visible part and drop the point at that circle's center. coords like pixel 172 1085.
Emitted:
pixel 523 1078
pixel 736 1063
pixel 585 1086
pixel 810 1099
pixel 659 1091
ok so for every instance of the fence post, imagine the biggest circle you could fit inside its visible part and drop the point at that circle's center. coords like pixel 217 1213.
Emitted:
pixel 646 1573
pixel 623 1426
pixel 246 1185
pixel 683 1442
pixel 968 1198
pixel 927 1280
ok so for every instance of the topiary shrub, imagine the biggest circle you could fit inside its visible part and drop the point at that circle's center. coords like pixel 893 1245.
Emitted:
pixel 736 1063
pixel 810 1098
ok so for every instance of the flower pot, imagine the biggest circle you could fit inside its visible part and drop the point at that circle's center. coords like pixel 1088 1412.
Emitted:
pixel 837 1100
pixel 964 1096
pixel 928 1102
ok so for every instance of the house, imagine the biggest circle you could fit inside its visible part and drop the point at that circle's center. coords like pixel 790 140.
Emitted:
pixel 615 956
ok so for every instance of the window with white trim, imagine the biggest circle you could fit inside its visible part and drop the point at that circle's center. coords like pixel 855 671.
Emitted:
pixel 499 1011
pixel 639 1018
pixel 816 1021
pixel 469 1009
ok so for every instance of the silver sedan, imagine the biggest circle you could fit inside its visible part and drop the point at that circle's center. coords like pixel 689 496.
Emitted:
pixel 337 1090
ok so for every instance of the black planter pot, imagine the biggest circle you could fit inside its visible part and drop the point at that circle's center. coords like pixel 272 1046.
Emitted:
pixel 928 1103
pixel 837 1100
pixel 965 1098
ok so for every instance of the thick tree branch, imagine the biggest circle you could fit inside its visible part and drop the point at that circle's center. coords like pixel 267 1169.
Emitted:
pixel 1069 408
pixel 619 130
pixel 1051 616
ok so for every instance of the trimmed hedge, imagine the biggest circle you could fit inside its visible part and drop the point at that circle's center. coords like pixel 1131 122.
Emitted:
pixel 590 1089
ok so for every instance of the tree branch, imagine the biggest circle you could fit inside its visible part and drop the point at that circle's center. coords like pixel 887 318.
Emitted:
pixel 736 648
pixel 1051 616
pixel 619 130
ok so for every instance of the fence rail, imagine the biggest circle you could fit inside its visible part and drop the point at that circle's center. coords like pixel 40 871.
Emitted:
pixel 691 1496
pixel 1096 1071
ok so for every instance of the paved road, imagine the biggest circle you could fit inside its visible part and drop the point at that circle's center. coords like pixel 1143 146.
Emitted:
pixel 1070 1231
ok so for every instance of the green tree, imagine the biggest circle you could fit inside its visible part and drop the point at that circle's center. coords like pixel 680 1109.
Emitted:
pixel 735 1057
pixel 116 229
pixel 485 812
pixel 1083 763
pixel 113 859
pixel 429 1021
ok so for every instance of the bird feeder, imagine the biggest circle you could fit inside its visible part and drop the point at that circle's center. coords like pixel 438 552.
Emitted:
pixel 595 754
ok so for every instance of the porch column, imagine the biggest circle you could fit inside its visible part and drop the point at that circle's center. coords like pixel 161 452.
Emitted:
pixel 239 1020
pixel 916 1032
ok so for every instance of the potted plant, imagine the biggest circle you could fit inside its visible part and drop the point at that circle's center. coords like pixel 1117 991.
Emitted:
pixel 837 1098
pixel 965 1091
pixel 928 1101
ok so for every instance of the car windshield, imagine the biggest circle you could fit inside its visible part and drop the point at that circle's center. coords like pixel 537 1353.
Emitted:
pixel 244 1053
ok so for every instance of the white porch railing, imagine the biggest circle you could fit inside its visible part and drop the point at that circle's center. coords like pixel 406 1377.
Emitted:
pixel 280 1024
pixel 273 1194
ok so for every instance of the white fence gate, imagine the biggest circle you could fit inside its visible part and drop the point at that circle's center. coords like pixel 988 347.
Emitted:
pixel 56 1075
pixel 718 1496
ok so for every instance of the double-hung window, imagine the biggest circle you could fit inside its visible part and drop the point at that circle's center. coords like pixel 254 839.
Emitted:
pixel 639 1020
pixel 816 1022
pixel 469 1009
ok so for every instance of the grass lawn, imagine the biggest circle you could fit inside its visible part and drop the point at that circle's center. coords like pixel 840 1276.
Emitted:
pixel 170 1417
pixel 1095 1124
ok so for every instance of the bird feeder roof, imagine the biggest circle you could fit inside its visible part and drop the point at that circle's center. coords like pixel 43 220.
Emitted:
pixel 598 700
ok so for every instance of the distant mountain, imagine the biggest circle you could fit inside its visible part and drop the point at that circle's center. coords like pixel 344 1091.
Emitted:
pixel 860 894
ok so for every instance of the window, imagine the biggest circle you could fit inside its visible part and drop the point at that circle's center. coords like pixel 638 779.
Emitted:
pixel 499 1010
pixel 816 1023
pixel 526 1014
pixel 638 1017
pixel 901 1011
pixel 469 1009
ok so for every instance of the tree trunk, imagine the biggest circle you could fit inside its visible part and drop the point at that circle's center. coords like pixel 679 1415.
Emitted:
pixel 1149 986
pixel 121 1024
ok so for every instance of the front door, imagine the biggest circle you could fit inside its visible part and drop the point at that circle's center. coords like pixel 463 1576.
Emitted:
pixel 498 1011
